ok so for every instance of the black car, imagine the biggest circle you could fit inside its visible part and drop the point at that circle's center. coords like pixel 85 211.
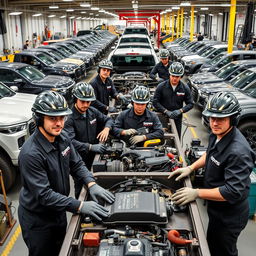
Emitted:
pixel 48 65
pixel 28 79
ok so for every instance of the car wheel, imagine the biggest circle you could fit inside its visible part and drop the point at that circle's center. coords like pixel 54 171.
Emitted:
pixel 8 171
pixel 249 132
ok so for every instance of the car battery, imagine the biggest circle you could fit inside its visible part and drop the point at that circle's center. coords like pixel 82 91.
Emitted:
pixel 252 194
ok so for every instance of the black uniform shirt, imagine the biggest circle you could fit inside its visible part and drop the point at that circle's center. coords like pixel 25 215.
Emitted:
pixel 161 70
pixel 228 166
pixel 83 130
pixel 167 98
pixel 102 92
pixel 45 173
pixel 128 119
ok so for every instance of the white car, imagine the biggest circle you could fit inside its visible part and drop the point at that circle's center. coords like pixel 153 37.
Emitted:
pixel 135 38
pixel 16 125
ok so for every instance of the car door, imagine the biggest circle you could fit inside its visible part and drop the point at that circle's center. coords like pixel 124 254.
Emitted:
pixel 11 78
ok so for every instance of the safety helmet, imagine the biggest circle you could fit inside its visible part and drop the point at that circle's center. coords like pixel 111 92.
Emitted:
pixel 223 104
pixel 106 64
pixel 51 103
pixel 141 95
pixel 164 53
pixel 176 69
pixel 84 91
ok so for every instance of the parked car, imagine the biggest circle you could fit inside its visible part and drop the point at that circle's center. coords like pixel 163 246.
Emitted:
pixel 247 123
pixel 226 73
pixel 28 79
pixel 224 58
pixel 16 125
pixel 135 30
pixel 194 62
pixel 240 82
pixel 48 65
pixel 133 59
pixel 135 38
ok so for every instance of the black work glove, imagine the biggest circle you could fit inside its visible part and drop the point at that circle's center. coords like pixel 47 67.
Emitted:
pixel 173 114
pixel 94 210
pixel 98 191
pixel 112 110
pixel 98 148
pixel 123 99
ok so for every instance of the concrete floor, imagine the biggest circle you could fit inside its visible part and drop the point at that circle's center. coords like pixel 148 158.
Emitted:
pixel 247 239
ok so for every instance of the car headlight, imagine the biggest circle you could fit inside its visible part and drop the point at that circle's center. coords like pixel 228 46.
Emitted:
pixel 10 129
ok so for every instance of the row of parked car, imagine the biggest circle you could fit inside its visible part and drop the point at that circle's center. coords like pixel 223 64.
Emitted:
pixel 134 51
pixel 211 69
pixel 57 67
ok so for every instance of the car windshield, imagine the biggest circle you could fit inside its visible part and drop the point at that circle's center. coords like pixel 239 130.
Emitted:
pixel 208 52
pixel 56 54
pixel 136 31
pixel 133 60
pixel 46 59
pixel 134 46
pixel 251 90
pixel 134 40
pixel 31 73
pixel 5 91
pixel 243 79
pixel 216 59
pixel 225 71
pixel 202 50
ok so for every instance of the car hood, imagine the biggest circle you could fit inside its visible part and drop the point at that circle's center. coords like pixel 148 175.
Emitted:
pixel 16 109
pixel 53 81
pixel 193 58
pixel 244 100
pixel 73 61
pixel 204 78
pixel 213 88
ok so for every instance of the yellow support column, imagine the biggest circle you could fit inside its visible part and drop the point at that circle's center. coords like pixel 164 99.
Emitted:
pixel 178 24
pixel 162 22
pixel 181 21
pixel 165 22
pixel 192 23
pixel 173 26
pixel 168 23
pixel 232 16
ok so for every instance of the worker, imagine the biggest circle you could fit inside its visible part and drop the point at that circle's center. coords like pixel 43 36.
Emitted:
pixel 200 37
pixel 228 163
pixel 87 127
pixel 129 121
pixel 162 67
pixel 26 45
pixel 170 96
pixel 104 88
pixel 45 162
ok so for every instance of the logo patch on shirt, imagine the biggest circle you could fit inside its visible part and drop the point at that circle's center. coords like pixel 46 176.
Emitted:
pixel 109 87
pixel 93 121
pixel 66 151
pixel 180 93
pixel 147 124
pixel 215 161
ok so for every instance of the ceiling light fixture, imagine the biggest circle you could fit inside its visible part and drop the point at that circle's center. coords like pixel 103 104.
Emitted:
pixel 78 18
pixel 69 10
pixel 53 7
pixel 95 8
pixel 85 4
pixel 15 13
pixel 101 10
pixel 62 17
pixel 51 16
pixel 204 8
pixel 67 0
pixel 175 7
pixel 185 4
pixel 37 14
pixel 72 17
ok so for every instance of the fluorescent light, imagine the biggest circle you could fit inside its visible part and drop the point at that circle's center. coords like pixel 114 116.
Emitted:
pixel 101 10
pixel 97 15
pixel 210 14
pixel 78 18
pixel 72 17
pixel 15 13
pixel 85 5
pixel 168 10
pixel 185 13
pixel 51 16
pixel 220 13
pixel 37 14
pixel 185 4
pixel 175 7
pixel 195 11
pixel 62 17
pixel 69 10
pixel 95 8
pixel 135 6
pixel 204 8
pixel 53 7
pixel 83 12
pixel 91 13
pixel 67 0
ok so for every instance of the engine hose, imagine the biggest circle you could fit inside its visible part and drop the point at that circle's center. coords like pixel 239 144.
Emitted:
pixel 174 237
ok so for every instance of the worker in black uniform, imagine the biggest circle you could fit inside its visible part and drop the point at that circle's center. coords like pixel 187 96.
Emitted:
pixel 104 88
pixel 228 163
pixel 129 121
pixel 200 37
pixel 45 162
pixel 161 68
pixel 87 127
pixel 170 96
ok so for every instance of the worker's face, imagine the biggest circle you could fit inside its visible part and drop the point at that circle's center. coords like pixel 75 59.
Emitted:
pixel 175 80
pixel 139 109
pixel 164 61
pixel 53 125
pixel 220 126
pixel 82 106
pixel 105 73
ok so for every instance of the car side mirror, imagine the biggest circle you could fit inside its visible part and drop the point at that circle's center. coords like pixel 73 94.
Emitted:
pixel 156 49
pixel 14 88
